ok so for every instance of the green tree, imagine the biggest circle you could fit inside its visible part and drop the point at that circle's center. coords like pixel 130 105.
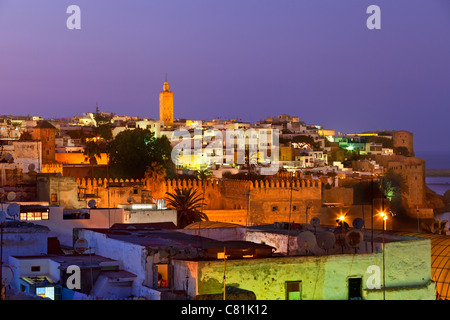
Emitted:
pixel 92 151
pixel 25 136
pixel 204 174
pixel 188 205
pixel 104 131
pixel 133 151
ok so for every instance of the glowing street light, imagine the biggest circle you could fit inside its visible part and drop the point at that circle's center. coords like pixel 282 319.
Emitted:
pixel 384 216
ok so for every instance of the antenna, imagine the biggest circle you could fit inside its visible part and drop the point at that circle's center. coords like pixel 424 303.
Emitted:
pixel 354 238
pixel 326 240
pixel 7 275
pixel 11 196
pixel 306 241
pixel 13 209
pixel 358 223
pixel 81 245
pixel 8 157
pixel 92 204
pixel 315 222
pixel 166 76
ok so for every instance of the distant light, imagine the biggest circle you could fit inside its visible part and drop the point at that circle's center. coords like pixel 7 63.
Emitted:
pixel 350 148
pixel 342 218
pixel 143 206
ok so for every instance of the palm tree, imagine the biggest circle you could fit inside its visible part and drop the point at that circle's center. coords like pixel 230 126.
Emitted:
pixel 204 174
pixel 92 151
pixel 188 205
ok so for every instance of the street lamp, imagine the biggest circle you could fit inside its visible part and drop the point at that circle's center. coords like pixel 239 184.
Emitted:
pixel 384 217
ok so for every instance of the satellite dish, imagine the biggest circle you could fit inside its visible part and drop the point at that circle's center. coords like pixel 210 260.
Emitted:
pixel 11 196
pixel 31 167
pixel 8 157
pixel 81 246
pixel 130 199
pixel 13 209
pixel 326 240
pixel 2 216
pixel 306 241
pixel 315 222
pixel 358 223
pixel 354 238
pixel 7 275
pixel 92 203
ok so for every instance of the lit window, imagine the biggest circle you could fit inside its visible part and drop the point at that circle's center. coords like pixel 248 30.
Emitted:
pixel 23 216
pixel 293 290
pixel 45 215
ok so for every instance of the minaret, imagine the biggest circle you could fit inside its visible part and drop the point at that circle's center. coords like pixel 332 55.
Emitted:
pixel 166 105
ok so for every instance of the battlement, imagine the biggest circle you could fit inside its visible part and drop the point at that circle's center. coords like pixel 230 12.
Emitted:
pixel 172 184
pixel 283 184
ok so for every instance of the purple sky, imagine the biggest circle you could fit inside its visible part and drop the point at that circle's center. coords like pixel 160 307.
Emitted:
pixel 245 59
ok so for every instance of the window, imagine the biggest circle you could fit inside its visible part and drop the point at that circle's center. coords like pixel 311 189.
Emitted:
pixel 35 268
pixel 354 289
pixel 294 290
pixel 54 197
pixel 34 216
pixel 294 208
pixel 161 275
pixel 274 208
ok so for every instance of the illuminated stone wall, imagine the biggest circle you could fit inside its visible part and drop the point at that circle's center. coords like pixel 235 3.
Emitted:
pixel 407 265
pixel 269 200
pixel 79 158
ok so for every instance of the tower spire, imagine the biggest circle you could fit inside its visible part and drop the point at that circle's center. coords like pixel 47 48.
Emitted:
pixel 166 85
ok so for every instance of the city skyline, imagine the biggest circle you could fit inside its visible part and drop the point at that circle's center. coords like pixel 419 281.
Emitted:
pixel 245 59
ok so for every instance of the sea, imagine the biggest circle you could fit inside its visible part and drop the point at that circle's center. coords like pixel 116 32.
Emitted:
pixel 439 184
pixel 436 160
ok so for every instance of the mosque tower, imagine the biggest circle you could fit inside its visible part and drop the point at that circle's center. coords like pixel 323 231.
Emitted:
pixel 166 105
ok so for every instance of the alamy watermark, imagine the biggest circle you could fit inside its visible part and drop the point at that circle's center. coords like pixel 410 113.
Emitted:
pixel 73 22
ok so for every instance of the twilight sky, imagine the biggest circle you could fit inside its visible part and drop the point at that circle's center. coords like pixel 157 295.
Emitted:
pixel 245 59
